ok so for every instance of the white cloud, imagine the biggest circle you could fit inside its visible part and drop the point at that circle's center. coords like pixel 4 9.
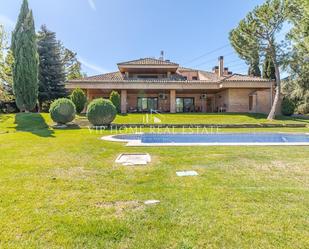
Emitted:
pixel 91 66
pixel 92 4
pixel 7 22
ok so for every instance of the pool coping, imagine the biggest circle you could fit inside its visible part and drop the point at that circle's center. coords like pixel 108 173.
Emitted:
pixel 138 143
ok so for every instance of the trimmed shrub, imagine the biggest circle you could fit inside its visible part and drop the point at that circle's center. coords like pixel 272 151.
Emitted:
pixel 62 111
pixel 101 112
pixel 115 99
pixel 79 99
pixel 287 107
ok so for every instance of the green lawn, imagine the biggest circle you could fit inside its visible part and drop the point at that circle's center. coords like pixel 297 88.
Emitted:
pixel 61 189
pixel 210 118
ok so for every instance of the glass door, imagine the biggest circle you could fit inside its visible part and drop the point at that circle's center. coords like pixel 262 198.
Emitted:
pixel 152 104
pixel 188 105
pixel 147 104
pixel 184 104
pixel 179 105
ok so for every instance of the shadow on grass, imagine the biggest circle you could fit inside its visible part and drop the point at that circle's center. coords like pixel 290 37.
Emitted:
pixel 33 123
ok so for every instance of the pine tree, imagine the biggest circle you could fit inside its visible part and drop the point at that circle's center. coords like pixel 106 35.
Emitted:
pixel 299 61
pixel 25 69
pixel 257 32
pixel 51 67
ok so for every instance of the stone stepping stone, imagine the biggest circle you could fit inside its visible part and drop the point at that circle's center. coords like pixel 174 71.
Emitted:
pixel 131 159
pixel 187 173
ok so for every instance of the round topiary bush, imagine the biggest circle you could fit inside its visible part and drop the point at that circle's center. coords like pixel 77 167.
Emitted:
pixel 287 107
pixel 62 111
pixel 101 112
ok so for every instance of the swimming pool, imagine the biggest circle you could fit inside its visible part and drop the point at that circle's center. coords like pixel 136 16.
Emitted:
pixel 185 139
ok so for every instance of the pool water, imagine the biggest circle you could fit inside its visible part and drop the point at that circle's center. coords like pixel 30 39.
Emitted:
pixel 218 138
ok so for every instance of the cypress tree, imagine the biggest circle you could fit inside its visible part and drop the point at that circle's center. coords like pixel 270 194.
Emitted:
pixel 254 69
pixel 24 11
pixel 25 69
pixel 51 68
pixel 269 68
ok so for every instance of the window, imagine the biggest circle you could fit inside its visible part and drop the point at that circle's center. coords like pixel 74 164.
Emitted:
pixel 194 78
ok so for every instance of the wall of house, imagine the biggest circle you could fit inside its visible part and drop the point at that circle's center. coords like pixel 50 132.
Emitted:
pixel 222 100
pixel 239 100
pixel 230 100
pixel 97 93
pixel 189 74
pixel 263 101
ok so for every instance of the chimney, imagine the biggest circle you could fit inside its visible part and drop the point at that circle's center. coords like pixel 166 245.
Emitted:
pixel 226 71
pixel 215 70
pixel 161 55
pixel 221 66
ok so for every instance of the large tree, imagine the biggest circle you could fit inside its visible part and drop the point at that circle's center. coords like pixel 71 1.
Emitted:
pixel 25 69
pixel 7 75
pixel 298 65
pixel 72 65
pixel 258 32
pixel 51 67
pixel 2 47
pixel 6 61
pixel 251 56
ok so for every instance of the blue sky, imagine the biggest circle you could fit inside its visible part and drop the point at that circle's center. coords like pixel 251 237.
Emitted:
pixel 105 32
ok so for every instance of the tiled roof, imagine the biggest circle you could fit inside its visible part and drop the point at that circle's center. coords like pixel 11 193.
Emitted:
pixel 108 76
pixel 149 61
pixel 186 69
pixel 204 75
pixel 240 77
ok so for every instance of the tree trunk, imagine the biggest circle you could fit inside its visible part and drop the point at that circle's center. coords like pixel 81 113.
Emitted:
pixel 39 105
pixel 272 113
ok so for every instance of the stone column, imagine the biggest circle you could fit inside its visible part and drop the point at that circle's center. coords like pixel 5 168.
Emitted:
pixel 172 101
pixel 204 105
pixel 123 101
pixel 88 95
